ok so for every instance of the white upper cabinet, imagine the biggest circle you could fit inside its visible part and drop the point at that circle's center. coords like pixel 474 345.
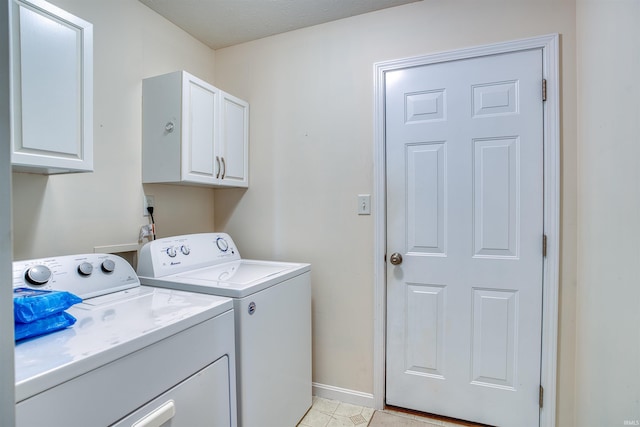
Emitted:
pixel 193 133
pixel 51 89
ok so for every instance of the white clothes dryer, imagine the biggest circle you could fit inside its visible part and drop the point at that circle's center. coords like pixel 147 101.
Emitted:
pixel 272 308
pixel 136 355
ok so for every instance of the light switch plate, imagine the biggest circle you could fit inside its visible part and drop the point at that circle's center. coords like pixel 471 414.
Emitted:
pixel 364 204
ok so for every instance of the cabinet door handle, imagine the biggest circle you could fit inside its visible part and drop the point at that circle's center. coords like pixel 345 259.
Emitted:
pixel 218 163
pixel 224 167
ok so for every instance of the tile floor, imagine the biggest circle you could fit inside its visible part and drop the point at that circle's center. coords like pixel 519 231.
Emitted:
pixel 331 413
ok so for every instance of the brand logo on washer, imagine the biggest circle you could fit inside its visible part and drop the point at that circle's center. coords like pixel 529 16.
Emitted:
pixel 175 262
pixel 252 307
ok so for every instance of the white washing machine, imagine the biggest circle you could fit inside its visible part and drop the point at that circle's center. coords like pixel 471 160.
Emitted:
pixel 272 306
pixel 136 355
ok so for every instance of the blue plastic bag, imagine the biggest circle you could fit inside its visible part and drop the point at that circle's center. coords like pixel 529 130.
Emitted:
pixel 43 326
pixel 33 304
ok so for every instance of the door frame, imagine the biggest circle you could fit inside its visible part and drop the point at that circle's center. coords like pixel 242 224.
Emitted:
pixel 551 215
pixel 7 343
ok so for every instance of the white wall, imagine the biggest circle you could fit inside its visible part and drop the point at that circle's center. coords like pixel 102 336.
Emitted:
pixel 311 96
pixel 7 378
pixel 68 214
pixel 608 298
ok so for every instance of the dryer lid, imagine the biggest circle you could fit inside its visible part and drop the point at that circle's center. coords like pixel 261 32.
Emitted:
pixel 109 327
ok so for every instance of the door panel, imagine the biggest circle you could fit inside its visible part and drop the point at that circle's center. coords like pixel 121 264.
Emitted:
pixel 464 208
pixel 495 196
pixel 425 327
pixel 425 210
pixel 493 351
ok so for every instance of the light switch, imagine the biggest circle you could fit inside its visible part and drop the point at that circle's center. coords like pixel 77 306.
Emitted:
pixel 364 204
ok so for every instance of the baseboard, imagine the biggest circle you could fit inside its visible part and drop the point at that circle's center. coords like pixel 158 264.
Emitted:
pixel 343 395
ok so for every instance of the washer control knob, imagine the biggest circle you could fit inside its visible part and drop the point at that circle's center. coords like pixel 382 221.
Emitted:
pixel 222 244
pixel 108 265
pixel 185 249
pixel 85 269
pixel 38 275
pixel 172 252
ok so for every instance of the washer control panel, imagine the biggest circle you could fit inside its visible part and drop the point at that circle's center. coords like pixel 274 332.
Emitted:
pixel 86 275
pixel 171 255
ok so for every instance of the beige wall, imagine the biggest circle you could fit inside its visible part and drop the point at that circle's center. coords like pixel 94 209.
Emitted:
pixel 608 297
pixel 311 96
pixel 67 214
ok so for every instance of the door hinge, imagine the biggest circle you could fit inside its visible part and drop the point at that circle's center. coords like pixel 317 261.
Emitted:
pixel 544 245
pixel 541 396
pixel 544 89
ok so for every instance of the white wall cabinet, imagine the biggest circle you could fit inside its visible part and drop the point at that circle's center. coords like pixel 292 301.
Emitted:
pixel 193 133
pixel 51 89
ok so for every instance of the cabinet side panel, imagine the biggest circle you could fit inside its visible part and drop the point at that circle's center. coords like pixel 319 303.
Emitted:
pixel 161 128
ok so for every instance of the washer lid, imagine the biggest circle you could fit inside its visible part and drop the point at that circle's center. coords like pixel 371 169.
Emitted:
pixel 234 279
pixel 239 273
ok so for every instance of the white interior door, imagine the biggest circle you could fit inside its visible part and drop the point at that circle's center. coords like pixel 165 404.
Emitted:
pixel 464 153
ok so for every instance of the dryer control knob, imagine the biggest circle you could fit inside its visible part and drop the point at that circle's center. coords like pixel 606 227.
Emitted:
pixel 38 275
pixel 172 252
pixel 185 250
pixel 108 265
pixel 222 244
pixel 85 269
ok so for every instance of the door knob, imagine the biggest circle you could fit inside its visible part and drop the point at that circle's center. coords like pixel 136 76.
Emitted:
pixel 396 258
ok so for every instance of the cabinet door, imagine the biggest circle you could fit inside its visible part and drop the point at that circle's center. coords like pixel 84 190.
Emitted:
pixel 52 80
pixel 234 142
pixel 200 124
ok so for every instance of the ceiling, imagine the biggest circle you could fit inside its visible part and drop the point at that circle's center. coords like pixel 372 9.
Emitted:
pixel 222 23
